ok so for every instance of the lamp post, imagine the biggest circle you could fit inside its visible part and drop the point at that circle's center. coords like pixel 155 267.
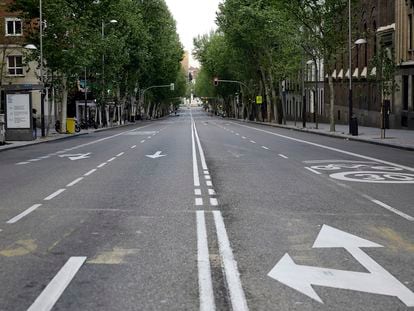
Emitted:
pixel 42 96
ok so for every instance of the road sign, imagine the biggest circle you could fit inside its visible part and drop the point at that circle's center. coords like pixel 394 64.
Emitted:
pixel 259 100
pixel 377 281
pixel 156 155
pixel 78 156
pixel 172 87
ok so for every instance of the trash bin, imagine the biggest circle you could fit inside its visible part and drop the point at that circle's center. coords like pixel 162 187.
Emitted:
pixel 354 126
pixel 70 125
pixel 2 130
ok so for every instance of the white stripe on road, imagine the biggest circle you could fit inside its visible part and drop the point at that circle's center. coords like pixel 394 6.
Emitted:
pixel 237 134
pixel 213 202
pixel 195 164
pixel 102 165
pixel 206 173
pixel 283 156
pixel 200 149
pixel 209 183
pixel 34 160
pixel 208 177
pixel 199 201
pixel 197 191
pixel 44 157
pixel 56 287
pixel 90 172
pixel 54 194
pixel 238 300
pixel 313 171
pixel 120 154
pixel 22 163
pixel 205 283
pixel 211 192
pixel 25 213
pixel 394 210
pixel 252 141
pixel 142 141
pixel 243 137
pixel 264 147
pixel 411 169
pixel 74 182
pixel 133 147
pixel 111 159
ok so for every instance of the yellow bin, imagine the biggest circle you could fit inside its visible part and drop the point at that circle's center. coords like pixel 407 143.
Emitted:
pixel 70 125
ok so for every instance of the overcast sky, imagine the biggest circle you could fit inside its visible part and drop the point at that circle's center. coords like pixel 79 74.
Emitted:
pixel 193 17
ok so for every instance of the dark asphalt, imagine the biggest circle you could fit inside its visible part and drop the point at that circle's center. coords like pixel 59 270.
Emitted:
pixel 134 218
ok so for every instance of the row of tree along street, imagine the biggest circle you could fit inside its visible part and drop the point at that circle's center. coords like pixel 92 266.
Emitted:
pixel 264 45
pixel 121 46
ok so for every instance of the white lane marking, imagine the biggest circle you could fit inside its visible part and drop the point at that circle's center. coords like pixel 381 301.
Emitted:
pixel 197 191
pixel 213 202
pixel 34 160
pixel 411 169
pixel 22 163
pixel 54 194
pixel 25 213
pixel 120 154
pixel 205 283
pixel 102 165
pixel 44 157
pixel 237 134
pixel 208 177
pixel 196 177
pixel 149 137
pixel 199 201
pixel 243 137
pixel 313 171
pixel 252 141
pixel 61 151
pixel 133 147
pixel 238 300
pixel 339 161
pixel 264 147
pixel 394 210
pixel 206 173
pixel 209 183
pixel 232 132
pixel 56 287
pixel 74 182
pixel 283 156
pixel 211 192
pixel 90 172
pixel 111 159
pixel 200 149
pixel 142 141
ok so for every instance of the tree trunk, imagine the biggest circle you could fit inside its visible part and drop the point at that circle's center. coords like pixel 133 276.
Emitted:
pixel 268 96
pixel 64 103
pixel 331 105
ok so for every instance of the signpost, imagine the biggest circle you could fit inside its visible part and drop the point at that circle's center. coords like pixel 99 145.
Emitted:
pixel 259 100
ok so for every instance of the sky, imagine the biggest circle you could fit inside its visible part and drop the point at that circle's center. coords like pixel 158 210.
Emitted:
pixel 193 17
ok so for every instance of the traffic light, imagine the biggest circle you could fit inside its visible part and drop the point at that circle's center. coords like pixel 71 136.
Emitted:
pixel 216 81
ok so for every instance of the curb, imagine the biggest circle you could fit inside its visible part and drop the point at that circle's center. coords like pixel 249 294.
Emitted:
pixel 334 135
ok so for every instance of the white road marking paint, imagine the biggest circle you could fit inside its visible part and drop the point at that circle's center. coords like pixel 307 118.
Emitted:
pixel 394 210
pixel 283 156
pixel 208 177
pixel 56 287
pixel 133 147
pixel 102 165
pixel 75 157
pixel 243 137
pixel 264 147
pixel 54 194
pixel 206 173
pixel 44 157
pixel 339 161
pixel 196 177
pixel 211 192
pixel 34 160
pixel 149 137
pixel 377 281
pixel 213 202
pixel 90 172
pixel 74 182
pixel 156 155
pixel 205 283
pixel 120 154
pixel 111 159
pixel 60 151
pixel 252 141
pixel 199 201
pixel 238 300
pixel 313 171
pixel 25 213
pixel 375 177
pixel 411 169
pixel 197 191
pixel 237 134
pixel 142 141
pixel 200 149
pixel 209 183
pixel 22 163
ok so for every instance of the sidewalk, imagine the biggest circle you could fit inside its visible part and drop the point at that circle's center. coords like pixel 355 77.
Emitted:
pixel 402 139
pixel 53 135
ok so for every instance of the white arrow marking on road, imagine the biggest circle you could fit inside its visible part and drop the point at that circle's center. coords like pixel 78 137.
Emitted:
pixel 377 281
pixel 78 156
pixel 156 155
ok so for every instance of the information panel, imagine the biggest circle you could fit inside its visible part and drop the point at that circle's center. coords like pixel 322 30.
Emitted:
pixel 18 111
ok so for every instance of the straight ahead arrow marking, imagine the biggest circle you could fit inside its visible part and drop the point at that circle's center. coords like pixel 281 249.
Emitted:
pixel 156 155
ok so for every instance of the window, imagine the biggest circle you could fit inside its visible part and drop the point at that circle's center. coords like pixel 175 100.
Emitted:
pixel 15 65
pixel 13 27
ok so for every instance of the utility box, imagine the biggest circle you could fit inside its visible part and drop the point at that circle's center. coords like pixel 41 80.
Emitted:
pixel 354 126
pixel 2 130
pixel 70 125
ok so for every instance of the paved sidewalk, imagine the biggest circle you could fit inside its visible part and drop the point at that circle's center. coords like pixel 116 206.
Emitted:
pixel 403 139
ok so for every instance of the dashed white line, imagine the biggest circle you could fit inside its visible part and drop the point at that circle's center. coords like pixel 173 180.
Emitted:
pixel 264 147
pixel 25 213
pixel 74 182
pixel 208 177
pixel 205 283
pixel 22 163
pixel 283 156
pixel 197 191
pixel 90 172
pixel 206 173
pixel 394 210
pixel 133 147
pixel 252 141
pixel 213 202
pixel 196 177
pixel 54 194
pixel 238 299
pixel 313 171
pixel 56 287
pixel 34 160
pixel 243 137
pixel 209 183
pixel 199 201
pixel 61 151
pixel 111 159
pixel 211 192
pixel 102 165
pixel 237 134
pixel 44 157
pixel 149 137
pixel 142 141
pixel 120 154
